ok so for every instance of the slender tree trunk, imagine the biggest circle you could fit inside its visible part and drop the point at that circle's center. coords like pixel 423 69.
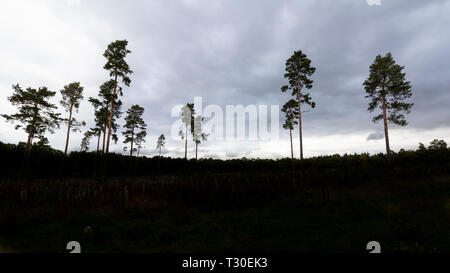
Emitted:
pixel 111 114
pixel 102 167
pixel 299 95
pixel 292 150
pixel 131 150
pixel 29 143
pixel 69 124
pixel 386 130
pixel 185 147
pixel 159 160
pixel 137 160
pixel 132 143
pixel 104 139
pixel 30 146
pixel 25 155
pixel 98 151
pixel 196 151
pixel 98 142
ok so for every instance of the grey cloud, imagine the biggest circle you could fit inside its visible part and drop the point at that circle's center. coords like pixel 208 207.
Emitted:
pixel 375 136
pixel 233 52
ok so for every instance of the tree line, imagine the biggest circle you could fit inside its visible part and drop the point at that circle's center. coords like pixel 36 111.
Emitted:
pixel 386 87
pixel 426 159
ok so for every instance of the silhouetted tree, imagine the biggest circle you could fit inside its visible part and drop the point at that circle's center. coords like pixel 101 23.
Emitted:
pixel 298 72
pixel 187 117
pixel 118 68
pixel 387 88
pixel 438 145
pixel 161 143
pixel 135 126
pixel 35 114
pixel 85 142
pixel 140 140
pixel 197 134
pixel 102 106
pixel 291 119
pixel 43 143
pixel 72 95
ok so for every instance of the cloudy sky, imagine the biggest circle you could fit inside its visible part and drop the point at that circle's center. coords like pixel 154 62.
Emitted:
pixel 233 53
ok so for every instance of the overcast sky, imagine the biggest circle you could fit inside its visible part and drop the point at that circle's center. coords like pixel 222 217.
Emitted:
pixel 233 52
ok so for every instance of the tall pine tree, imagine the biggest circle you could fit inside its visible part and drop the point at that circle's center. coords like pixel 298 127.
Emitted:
pixel 290 109
pixel 299 72
pixel 388 89
pixel 187 117
pixel 102 106
pixel 118 69
pixel 72 95
pixel 198 134
pixel 35 115
pixel 135 127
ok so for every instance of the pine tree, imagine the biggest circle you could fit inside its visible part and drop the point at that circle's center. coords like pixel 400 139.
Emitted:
pixel 72 95
pixel 161 143
pixel 35 114
pixel 118 69
pixel 135 126
pixel 140 140
pixel 198 135
pixel 291 119
pixel 299 72
pixel 85 142
pixel 187 117
pixel 102 106
pixel 388 89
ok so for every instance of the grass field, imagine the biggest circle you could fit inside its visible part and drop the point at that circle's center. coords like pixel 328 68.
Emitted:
pixel 404 216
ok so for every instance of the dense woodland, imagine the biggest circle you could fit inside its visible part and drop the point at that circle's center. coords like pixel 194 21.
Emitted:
pixel 46 162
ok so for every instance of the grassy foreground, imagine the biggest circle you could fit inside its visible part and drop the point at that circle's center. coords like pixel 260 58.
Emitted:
pixel 404 216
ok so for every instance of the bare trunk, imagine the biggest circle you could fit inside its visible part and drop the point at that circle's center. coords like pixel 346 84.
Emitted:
pixel 26 154
pixel 98 142
pixel 159 160
pixel 292 150
pixel 299 96
pixel 196 151
pixel 29 143
pixel 132 144
pixel 185 147
pixel 292 145
pixel 386 130
pixel 27 157
pixel 111 114
pixel 137 158
pixel 104 139
pixel 69 124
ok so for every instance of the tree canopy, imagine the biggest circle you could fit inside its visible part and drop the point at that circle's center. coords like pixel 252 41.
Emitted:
pixel 388 81
pixel 135 126
pixel 36 115
pixel 290 109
